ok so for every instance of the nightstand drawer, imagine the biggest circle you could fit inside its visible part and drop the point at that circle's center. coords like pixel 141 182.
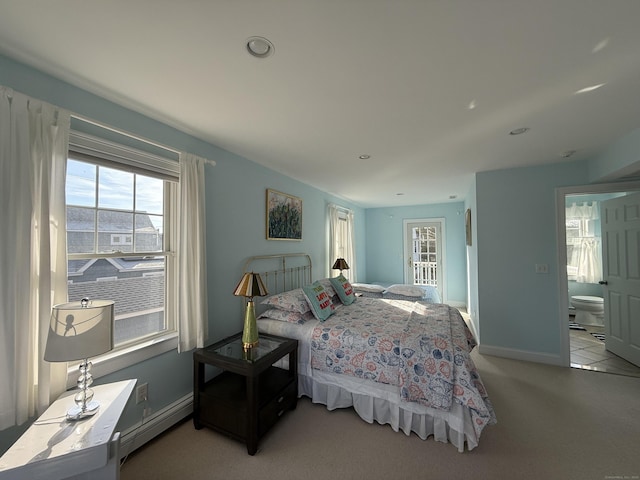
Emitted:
pixel 271 412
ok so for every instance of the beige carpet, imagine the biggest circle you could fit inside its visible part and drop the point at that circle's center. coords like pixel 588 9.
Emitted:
pixel 553 423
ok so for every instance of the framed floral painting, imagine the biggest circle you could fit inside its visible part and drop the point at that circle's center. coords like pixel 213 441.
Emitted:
pixel 284 216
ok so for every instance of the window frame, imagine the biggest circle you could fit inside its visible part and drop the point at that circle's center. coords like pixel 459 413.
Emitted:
pixel 98 151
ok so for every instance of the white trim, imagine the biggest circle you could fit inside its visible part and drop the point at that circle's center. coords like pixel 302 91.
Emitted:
pixel 104 149
pixel 443 252
pixel 136 436
pixel 96 123
pixel 561 243
pixel 527 356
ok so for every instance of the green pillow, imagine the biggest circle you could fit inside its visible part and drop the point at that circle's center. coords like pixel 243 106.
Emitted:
pixel 319 300
pixel 343 288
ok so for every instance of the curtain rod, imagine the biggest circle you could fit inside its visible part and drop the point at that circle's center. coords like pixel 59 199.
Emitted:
pixel 91 121
pixel 122 132
pixel 338 207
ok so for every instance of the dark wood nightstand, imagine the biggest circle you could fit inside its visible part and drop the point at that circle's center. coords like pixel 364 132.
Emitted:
pixel 250 395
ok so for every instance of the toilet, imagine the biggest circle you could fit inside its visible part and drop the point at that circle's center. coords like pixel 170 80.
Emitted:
pixel 589 310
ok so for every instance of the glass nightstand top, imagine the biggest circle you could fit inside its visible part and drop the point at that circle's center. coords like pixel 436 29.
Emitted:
pixel 233 349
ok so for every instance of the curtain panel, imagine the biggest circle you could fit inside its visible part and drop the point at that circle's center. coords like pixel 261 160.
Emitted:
pixel 192 262
pixel 587 253
pixel 33 264
pixel 341 238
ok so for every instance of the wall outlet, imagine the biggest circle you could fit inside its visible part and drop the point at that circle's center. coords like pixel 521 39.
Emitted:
pixel 142 393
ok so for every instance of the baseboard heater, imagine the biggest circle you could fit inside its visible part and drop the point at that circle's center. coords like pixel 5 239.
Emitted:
pixel 136 436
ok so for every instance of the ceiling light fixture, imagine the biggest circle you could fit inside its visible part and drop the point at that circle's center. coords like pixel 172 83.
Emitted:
pixel 364 156
pixel 260 47
pixel 519 131
pixel 568 153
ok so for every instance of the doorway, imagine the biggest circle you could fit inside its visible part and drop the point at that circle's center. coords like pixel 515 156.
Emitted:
pixel 424 253
pixel 583 348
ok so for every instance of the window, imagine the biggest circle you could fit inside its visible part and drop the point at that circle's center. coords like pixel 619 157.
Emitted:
pixel 342 239
pixel 120 234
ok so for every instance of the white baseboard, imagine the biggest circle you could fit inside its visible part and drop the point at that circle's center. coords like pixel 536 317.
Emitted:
pixel 139 434
pixel 525 355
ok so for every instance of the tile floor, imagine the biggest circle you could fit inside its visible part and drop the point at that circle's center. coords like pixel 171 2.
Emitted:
pixel 588 353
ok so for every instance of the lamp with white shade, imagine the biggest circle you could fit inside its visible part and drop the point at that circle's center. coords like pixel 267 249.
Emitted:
pixel 79 331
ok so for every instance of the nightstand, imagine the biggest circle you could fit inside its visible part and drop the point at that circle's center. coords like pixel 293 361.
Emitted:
pixel 250 395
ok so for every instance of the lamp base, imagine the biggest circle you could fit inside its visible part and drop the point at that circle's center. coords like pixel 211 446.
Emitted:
pixel 250 331
pixel 78 413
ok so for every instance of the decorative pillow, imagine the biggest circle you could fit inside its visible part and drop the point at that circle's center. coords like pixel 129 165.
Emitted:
pixel 292 301
pixel 407 290
pixel 319 300
pixel 343 288
pixel 326 283
pixel 287 316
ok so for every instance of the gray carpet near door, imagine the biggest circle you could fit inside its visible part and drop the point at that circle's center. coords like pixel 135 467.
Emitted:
pixel 553 423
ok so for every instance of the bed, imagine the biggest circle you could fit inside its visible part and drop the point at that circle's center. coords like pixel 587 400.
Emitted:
pixel 399 362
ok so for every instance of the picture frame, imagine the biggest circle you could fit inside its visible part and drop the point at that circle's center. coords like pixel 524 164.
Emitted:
pixel 467 225
pixel 284 216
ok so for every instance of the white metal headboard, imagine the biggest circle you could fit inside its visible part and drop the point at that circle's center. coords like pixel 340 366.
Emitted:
pixel 281 272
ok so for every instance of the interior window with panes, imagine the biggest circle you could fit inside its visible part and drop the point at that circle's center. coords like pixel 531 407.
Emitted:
pixel 118 249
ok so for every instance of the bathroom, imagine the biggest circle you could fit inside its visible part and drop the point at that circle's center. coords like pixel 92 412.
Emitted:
pixel 584 271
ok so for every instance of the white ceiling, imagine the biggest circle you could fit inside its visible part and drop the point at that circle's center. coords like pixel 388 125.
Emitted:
pixel 393 79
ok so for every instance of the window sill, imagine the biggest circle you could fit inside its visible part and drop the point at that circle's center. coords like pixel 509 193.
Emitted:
pixel 119 359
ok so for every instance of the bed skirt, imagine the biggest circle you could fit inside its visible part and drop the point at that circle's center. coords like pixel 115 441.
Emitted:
pixel 454 426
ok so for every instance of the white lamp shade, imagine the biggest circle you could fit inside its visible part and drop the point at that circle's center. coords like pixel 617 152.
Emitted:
pixel 78 332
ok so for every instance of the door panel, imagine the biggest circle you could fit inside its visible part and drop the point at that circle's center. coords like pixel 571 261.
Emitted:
pixel 621 268
pixel 424 254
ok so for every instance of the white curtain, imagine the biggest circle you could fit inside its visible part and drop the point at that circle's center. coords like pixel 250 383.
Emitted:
pixel 341 238
pixel 192 262
pixel 33 264
pixel 588 246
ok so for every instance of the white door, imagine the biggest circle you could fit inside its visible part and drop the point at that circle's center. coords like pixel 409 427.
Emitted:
pixel 424 254
pixel 621 266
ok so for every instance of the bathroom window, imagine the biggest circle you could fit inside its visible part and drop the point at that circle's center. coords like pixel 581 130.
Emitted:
pixel 583 247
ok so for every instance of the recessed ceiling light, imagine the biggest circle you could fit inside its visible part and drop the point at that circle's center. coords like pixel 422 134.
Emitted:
pixel 519 131
pixel 589 89
pixel 472 105
pixel 260 47
pixel 451 197
pixel 364 156
pixel 399 194
pixel 568 153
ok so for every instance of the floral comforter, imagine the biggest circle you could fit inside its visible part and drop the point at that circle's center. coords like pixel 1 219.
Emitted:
pixel 421 348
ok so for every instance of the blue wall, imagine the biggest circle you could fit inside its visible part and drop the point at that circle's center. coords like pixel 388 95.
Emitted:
pixel 516 229
pixel 385 244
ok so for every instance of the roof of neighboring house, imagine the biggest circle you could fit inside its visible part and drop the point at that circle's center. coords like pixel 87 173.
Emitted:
pixel 82 220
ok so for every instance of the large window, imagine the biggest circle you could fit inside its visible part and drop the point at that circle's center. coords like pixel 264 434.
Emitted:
pixel 341 242
pixel 119 237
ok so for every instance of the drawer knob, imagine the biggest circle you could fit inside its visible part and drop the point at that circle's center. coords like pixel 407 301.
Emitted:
pixel 280 413
pixel 280 399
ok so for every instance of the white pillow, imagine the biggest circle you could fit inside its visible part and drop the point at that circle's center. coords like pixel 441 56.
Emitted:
pixel 367 287
pixel 407 290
